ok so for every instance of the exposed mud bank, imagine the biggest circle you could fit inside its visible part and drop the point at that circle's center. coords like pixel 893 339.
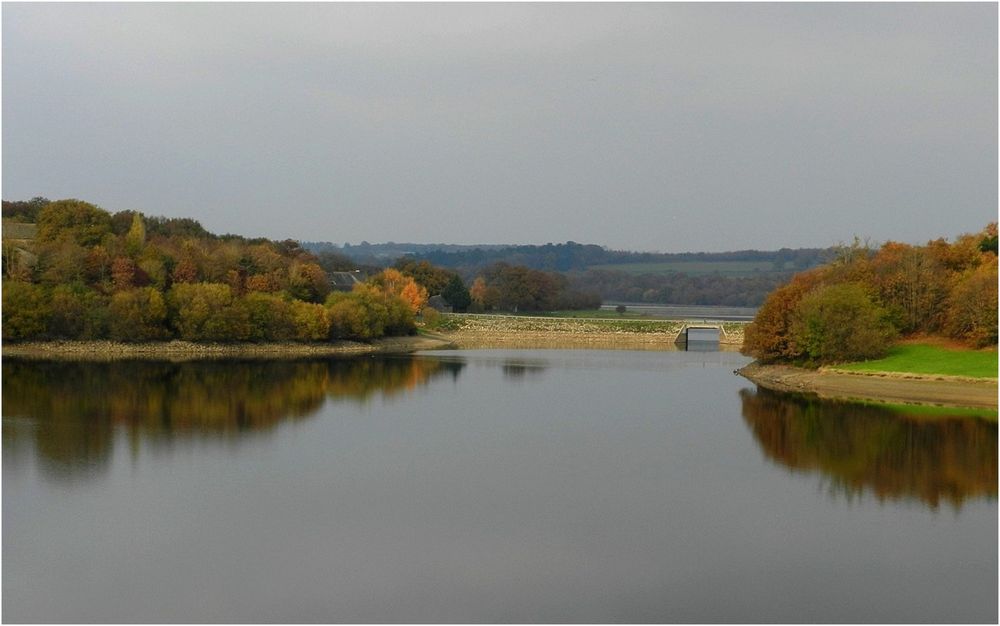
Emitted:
pixel 879 387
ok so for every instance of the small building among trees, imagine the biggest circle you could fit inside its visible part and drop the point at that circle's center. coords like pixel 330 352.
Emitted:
pixel 345 281
pixel 439 304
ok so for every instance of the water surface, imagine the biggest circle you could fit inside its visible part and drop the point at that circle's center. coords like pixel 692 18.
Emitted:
pixel 483 486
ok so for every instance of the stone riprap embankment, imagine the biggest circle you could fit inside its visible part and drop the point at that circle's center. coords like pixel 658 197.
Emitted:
pixel 516 331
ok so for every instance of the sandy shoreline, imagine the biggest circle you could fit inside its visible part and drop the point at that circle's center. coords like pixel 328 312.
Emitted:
pixel 882 387
pixel 186 350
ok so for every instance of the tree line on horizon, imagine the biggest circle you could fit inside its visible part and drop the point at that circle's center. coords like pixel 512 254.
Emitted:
pixel 583 265
pixel 857 306
pixel 558 257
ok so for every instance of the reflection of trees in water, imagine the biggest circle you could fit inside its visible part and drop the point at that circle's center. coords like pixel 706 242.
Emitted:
pixel 515 369
pixel 869 448
pixel 358 379
pixel 70 411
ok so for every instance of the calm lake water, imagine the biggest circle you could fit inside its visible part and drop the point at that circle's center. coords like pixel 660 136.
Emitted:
pixel 483 486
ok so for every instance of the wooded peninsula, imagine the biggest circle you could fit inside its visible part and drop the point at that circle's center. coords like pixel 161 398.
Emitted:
pixel 73 271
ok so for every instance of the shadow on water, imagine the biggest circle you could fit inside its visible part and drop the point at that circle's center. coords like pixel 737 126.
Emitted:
pixel 69 412
pixel 861 448
pixel 701 346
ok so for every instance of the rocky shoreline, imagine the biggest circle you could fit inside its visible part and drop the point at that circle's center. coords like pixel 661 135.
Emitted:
pixel 952 391
pixel 186 350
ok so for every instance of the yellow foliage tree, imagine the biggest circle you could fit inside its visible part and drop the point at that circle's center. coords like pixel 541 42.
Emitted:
pixel 392 282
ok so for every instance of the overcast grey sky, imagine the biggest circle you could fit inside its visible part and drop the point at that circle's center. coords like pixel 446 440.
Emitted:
pixel 671 127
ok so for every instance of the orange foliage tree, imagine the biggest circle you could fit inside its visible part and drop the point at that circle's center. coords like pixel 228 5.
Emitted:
pixel 392 282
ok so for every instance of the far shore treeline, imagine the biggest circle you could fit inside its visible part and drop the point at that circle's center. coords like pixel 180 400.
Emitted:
pixel 856 307
pixel 72 270
pixel 737 278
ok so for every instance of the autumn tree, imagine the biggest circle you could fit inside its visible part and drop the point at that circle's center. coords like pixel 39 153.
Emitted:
pixel 972 305
pixel 392 283
pixel 186 271
pixel 841 322
pixel 124 273
pixel 368 312
pixel 520 288
pixel 769 337
pixel 912 284
pixel 24 210
pixel 135 239
pixel 307 281
pixel 269 282
pixel 78 313
pixel 26 310
pixel 349 317
pixel 479 296
pixel 311 321
pixel 97 265
pixel 270 317
pixel 207 312
pixel 60 261
pixel 137 315
pixel 433 279
pixel 85 223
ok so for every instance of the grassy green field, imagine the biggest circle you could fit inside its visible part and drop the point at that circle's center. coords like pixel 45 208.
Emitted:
pixel 927 359
pixel 694 268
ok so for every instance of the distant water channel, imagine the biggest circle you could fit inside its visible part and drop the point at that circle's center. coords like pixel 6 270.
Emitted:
pixel 483 486
pixel 687 311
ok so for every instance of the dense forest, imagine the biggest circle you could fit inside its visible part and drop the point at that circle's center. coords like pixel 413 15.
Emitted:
pixel 855 307
pixel 74 271
pixel 85 273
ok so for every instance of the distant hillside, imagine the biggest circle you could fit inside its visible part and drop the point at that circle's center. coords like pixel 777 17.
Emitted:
pixel 739 278
pixel 570 256
pixel 383 254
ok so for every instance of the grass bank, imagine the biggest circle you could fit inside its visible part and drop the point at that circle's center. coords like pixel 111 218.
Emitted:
pixel 927 359
pixel 892 388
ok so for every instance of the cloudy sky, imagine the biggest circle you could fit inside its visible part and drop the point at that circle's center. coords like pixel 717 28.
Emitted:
pixel 670 127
